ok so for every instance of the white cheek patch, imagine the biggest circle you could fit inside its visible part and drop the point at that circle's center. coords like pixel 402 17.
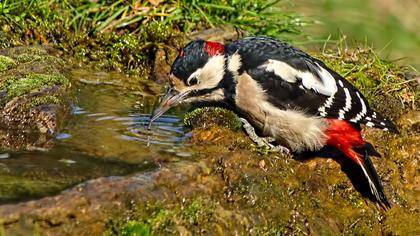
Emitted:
pixel 325 84
pixel 211 74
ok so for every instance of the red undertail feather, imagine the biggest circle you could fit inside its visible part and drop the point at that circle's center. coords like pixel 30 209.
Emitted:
pixel 344 136
pixel 214 48
pixel 348 139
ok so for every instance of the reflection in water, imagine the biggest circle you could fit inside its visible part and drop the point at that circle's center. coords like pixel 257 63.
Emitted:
pixel 62 136
pixel 105 134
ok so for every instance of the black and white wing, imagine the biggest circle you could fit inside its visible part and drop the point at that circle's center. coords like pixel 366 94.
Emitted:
pixel 294 80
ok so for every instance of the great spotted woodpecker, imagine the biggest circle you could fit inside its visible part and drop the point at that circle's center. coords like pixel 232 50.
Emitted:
pixel 283 92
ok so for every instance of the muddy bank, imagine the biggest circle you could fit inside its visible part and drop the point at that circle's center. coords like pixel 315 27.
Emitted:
pixel 232 188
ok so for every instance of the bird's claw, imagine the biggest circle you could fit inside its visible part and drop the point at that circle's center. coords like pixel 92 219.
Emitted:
pixel 262 141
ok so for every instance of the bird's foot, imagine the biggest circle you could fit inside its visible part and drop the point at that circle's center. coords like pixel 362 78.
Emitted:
pixel 265 142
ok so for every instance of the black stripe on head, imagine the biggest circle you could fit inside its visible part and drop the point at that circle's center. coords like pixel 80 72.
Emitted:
pixel 227 84
pixel 201 92
pixel 192 57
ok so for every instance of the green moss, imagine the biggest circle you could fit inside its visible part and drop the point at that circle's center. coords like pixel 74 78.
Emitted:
pixel 356 200
pixel 209 116
pixel 34 50
pixel 25 57
pixel 161 219
pixel 6 63
pixel 153 219
pixel 135 228
pixel 114 35
pixel 158 218
pixel 2 230
pixel 33 82
pixel 270 230
pixel 402 222
pixel 13 187
pixel 130 52
pixel 38 101
pixel 51 60
pixel 198 212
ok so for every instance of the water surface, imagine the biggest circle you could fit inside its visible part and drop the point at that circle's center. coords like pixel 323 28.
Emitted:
pixel 105 134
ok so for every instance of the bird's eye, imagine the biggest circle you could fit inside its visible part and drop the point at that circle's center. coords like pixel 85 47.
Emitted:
pixel 192 81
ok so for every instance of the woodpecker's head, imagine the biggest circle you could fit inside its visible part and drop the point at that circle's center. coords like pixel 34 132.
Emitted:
pixel 195 76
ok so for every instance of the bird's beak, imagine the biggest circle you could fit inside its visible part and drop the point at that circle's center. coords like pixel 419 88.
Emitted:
pixel 170 99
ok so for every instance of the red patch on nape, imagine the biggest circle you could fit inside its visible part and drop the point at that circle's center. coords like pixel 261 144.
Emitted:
pixel 344 136
pixel 214 48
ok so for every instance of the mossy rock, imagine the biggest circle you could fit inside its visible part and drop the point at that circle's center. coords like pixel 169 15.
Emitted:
pixel 33 87
pixel 50 60
pixel 161 217
pixel 13 187
pixel 26 57
pixel 206 117
pixel 6 63
pixel 50 99
pixel 15 87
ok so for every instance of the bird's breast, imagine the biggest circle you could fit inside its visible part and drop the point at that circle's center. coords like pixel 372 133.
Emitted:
pixel 289 127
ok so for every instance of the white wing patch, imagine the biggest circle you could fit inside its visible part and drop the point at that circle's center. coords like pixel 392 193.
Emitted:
pixel 328 85
pixel 282 69
pixel 325 84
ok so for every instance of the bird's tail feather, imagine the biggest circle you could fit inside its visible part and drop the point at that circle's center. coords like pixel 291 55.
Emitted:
pixel 375 185
pixel 374 119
